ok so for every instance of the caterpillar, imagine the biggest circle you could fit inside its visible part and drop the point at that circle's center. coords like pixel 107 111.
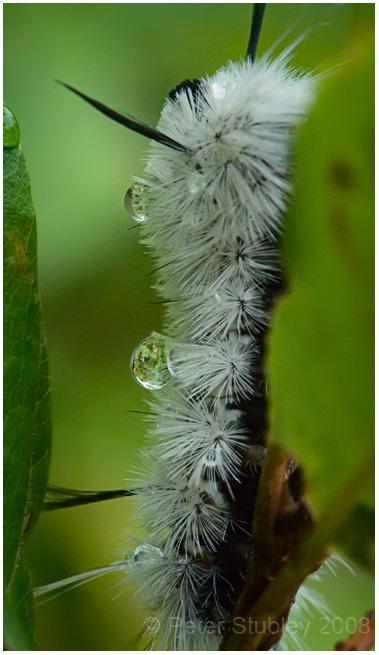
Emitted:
pixel 211 210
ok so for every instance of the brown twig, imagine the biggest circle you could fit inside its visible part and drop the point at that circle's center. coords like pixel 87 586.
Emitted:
pixel 281 518
pixel 299 546
pixel 364 636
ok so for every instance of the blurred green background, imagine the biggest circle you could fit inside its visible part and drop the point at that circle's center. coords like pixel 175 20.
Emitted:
pixel 93 273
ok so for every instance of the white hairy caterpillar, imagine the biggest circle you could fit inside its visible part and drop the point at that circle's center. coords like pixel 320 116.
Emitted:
pixel 219 313
pixel 236 128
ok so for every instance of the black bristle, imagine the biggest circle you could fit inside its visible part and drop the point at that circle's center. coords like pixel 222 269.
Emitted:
pixel 256 25
pixel 128 121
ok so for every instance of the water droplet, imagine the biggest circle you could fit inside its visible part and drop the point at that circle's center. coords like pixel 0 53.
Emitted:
pixel 146 554
pixel 219 90
pixel 136 201
pixel 11 129
pixel 195 182
pixel 149 362
pixel 171 363
pixel 211 457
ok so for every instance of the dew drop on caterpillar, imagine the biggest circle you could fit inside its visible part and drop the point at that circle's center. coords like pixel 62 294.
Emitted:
pixel 210 208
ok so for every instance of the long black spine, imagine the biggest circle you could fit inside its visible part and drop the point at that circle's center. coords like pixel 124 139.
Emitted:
pixel 256 25
pixel 60 497
pixel 127 121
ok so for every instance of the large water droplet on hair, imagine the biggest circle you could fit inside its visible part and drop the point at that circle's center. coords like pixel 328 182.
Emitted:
pixel 11 129
pixel 146 554
pixel 136 201
pixel 149 362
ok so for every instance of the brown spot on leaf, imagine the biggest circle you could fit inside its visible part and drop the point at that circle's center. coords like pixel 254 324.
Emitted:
pixel 18 258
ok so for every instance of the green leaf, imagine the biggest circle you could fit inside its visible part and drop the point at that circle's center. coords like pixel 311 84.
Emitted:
pixel 27 408
pixel 15 637
pixel 320 361
pixel 20 603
